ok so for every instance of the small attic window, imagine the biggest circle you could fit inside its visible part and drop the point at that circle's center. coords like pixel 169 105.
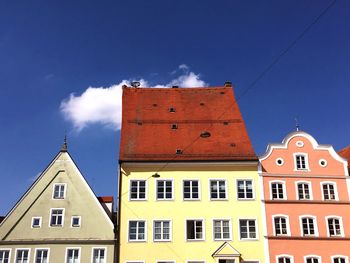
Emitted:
pixel 178 151
pixel 205 134
pixel 174 126
pixel 172 109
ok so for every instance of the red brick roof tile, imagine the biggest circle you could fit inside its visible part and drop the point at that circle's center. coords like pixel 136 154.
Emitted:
pixel 345 153
pixel 151 132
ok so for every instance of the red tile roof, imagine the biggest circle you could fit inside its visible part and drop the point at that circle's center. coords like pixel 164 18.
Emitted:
pixel 105 199
pixel 345 153
pixel 151 132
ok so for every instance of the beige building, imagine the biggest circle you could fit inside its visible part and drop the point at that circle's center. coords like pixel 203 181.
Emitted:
pixel 59 219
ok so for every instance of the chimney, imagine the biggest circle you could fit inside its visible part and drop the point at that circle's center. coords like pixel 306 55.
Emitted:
pixel 228 84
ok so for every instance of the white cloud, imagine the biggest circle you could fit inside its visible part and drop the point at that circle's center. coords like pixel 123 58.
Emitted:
pixel 100 105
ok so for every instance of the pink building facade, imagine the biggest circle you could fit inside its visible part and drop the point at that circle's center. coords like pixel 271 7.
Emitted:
pixel 307 201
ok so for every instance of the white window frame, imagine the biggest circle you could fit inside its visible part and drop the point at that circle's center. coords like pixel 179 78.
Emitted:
pixel 307 167
pixel 283 189
pixel 138 191
pixel 71 222
pixel 221 229
pixel 134 261
pixel 128 234
pixel 95 248
pixel 8 250
pixel 340 256
pixel 172 190
pixel 287 225
pixel 170 230
pixel 285 256
pixel 40 221
pixel 314 218
pixel 64 191
pixel 42 248
pixel 226 190
pixel 18 249
pixel 72 248
pixel 166 260
pixel 203 230
pixel 340 225
pixel 191 198
pixel 253 189
pixel 256 229
pixel 297 183
pixel 336 196
pixel 319 258
pixel 63 212
pixel 195 261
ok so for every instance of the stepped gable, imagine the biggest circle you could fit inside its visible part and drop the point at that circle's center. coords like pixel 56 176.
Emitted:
pixel 183 124
pixel 345 153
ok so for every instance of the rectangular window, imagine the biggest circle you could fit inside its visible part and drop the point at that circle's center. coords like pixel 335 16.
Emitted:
pixel 308 226
pixel 245 189
pixel 300 161
pixel 59 191
pixel 303 191
pixel 36 223
pixel 76 221
pixel 280 224
pixel 217 189
pixel 41 256
pixel 137 190
pixel 161 230
pixel 56 217
pixel 137 230
pixel 328 191
pixel 277 191
pixel 164 189
pixel 22 256
pixel 98 255
pixel 73 255
pixel 247 229
pixel 222 229
pixel 194 229
pixel 284 260
pixel 191 189
pixel 312 260
pixel 334 227
pixel 4 256
pixel 226 260
pixel 339 260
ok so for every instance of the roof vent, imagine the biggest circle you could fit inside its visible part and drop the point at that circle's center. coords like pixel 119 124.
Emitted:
pixel 178 151
pixel 171 109
pixel 135 84
pixel 205 134
pixel 202 103
pixel 174 126
pixel 155 104
pixel 175 87
pixel 228 84
pixel 233 145
pixel 139 123
pixel 225 122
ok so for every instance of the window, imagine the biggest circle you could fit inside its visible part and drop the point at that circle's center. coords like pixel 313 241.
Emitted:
pixel 339 259
pixel 4 256
pixel 281 226
pixel 247 229
pixel 98 255
pixel 137 190
pixel 76 221
pixel 22 256
pixel 41 256
pixel 194 230
pixel 284 259
pixel 312 260
pixel 224 260
pixel 277 190
pixel 137 230
pixel 36 223
pixel 328 190
pixel 217 189
pixel 59 191
pixel 56 217
pixel 245 189
pixel 72 255
pixel 304 191
pixel 301 162
pixel 161 230
pixel 222 229
pixel 164 189
pixel 191 189
pixel 308 226
pixel 334 227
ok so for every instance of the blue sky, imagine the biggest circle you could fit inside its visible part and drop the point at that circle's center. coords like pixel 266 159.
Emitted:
pixel 51 52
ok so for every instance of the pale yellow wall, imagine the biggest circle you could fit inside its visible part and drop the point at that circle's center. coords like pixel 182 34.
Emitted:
pixel 179 210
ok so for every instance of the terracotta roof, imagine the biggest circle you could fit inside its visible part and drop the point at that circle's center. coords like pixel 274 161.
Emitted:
pixel 159 122
pixel 105 199
pixel 345 153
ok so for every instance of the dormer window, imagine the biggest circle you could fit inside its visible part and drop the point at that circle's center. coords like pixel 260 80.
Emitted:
pixel 301 162
pixel 59 191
